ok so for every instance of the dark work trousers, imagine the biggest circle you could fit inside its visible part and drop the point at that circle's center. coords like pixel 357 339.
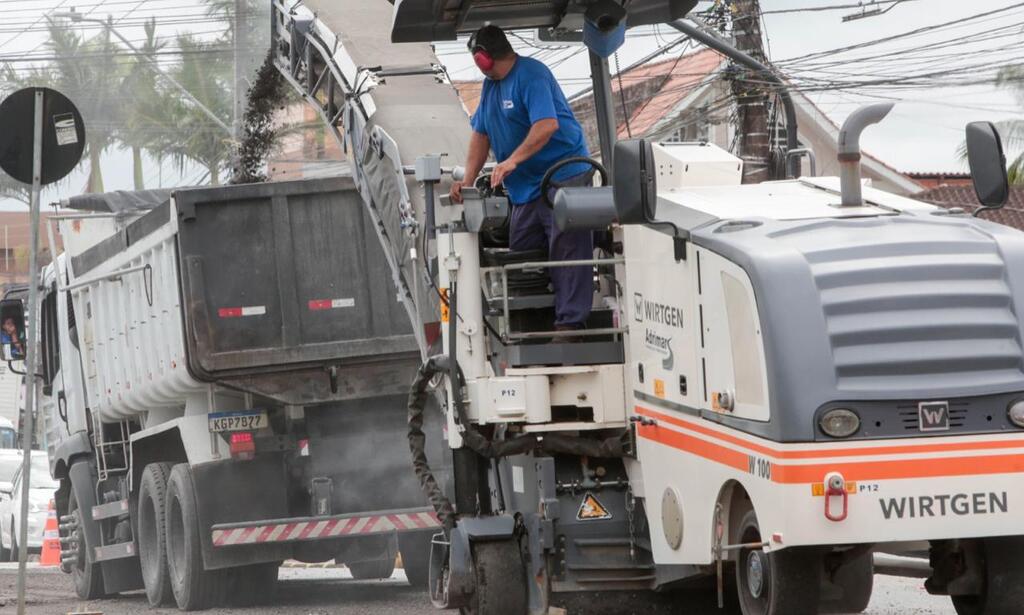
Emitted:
pixel 532 227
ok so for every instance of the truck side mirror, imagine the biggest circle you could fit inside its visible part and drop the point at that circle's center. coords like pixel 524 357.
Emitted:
pixel 12 329
pixel 634 182
pixel 988 165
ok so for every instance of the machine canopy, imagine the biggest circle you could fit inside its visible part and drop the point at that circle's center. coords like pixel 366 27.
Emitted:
pixel 437 20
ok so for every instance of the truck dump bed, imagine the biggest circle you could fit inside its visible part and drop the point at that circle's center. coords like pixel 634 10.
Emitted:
pixel 278 289
pixel 298 257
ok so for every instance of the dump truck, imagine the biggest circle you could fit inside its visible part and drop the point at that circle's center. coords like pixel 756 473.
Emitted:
pixel 777 381
pixel 223 378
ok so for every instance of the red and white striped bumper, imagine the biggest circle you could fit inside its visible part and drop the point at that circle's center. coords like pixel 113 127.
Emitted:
pixel 321 528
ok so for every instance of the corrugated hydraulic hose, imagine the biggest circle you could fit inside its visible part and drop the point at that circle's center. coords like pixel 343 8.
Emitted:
pixel 478 443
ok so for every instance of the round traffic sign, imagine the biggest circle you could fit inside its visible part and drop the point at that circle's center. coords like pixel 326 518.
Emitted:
pixel 63 135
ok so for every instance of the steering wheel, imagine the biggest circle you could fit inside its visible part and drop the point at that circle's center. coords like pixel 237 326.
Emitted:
pixel 545 183
pixel 483 186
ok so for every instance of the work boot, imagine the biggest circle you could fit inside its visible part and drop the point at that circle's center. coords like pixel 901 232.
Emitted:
pixel 568 340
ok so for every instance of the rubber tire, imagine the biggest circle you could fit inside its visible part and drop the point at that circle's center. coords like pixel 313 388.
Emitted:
pixel 1004 579
pixel 252 585
pixel 374 569
pixel 500 579
pixel 792 577
pixel 151 522
pixel 14 544
pixel 87 577
pixel 5 553
pixel 194 587
pixel 857 578
pixel 415 550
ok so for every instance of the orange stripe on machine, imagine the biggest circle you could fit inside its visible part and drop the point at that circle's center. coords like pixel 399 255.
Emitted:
pixel 722 449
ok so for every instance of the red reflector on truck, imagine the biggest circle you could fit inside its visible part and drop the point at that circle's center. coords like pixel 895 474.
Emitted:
pixel 242 445
pixel 327 304
pixel 236 312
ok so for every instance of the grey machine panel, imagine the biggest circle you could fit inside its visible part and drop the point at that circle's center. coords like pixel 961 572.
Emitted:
pixel 304 255
pixel 432 20
pixel 886 308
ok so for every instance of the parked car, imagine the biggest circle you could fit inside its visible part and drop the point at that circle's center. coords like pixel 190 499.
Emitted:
pixel 8 435
pixel 41 488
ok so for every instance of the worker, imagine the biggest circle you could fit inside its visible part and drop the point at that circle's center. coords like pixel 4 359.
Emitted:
pixel 524 118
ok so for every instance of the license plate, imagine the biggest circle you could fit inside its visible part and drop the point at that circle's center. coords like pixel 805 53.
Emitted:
pixel 243 420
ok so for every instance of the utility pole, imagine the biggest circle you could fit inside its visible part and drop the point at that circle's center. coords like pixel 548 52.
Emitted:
pixel 749 92
pixel 239 83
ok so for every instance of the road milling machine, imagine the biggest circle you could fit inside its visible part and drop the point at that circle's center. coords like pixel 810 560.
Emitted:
pixel 777 381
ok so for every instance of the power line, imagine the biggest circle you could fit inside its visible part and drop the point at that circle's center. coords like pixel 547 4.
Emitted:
pixel 833 7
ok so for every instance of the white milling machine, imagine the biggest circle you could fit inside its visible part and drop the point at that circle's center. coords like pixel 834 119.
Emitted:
pixel 778 380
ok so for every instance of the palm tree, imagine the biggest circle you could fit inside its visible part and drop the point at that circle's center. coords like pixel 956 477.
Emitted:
pixel 1012 131
pixel 90 74
pixel 205 71
pixel 146 106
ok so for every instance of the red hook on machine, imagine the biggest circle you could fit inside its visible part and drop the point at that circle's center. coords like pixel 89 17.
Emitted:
pixel 835 486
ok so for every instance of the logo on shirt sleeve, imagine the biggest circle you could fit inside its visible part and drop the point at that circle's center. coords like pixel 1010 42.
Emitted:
pixel 507 104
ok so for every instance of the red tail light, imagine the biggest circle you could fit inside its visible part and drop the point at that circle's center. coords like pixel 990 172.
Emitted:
pixel 242 445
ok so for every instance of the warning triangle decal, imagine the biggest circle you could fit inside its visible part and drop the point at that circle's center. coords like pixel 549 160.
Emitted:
pixel 591 509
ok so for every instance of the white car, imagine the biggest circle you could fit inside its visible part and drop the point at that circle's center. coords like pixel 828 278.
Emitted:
pixel 41 491
pixel 8 440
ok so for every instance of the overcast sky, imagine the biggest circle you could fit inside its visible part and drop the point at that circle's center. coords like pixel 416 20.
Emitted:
pixel 921 134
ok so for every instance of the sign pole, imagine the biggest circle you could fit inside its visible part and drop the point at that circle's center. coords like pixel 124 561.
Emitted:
pixel 28 431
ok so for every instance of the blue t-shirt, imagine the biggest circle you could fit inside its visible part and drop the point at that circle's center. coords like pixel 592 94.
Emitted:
pixel 507 110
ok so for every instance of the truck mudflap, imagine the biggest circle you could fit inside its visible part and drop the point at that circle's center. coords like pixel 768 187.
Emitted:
pixel 323 528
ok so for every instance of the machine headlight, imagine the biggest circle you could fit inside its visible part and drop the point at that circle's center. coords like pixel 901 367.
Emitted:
pixel 1016 412
pixel 840 423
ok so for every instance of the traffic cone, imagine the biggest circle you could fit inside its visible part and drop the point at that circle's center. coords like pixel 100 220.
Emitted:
pixel 51 539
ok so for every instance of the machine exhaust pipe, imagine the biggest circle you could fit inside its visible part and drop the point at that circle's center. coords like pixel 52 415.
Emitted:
pixel 849 149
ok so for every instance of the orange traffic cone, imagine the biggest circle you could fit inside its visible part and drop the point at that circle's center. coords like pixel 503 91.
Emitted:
pixel 51 539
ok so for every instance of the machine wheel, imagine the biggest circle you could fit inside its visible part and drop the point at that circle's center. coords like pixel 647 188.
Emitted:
pixel 193 586
pixel 252 585
pixel 415 550
pixel 86 575
pixel 1003 591
pixel 786 582
pixel 856 579
pixel 151 519
pixel 500 579
pixel 372 569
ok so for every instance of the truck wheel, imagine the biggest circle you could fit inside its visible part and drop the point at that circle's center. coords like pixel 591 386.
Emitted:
pixel 374 569
pixel 5 553
pixel 193 586
pixel 786 582
pixel 500 576
pixel 252 585
pixel 856 579
pixel 1003 592
pixel 151 519
pixel 14 543
pixel 86 575
pixel 415 550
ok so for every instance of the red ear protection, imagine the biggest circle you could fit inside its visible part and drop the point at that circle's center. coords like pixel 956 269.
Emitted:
pixel 483 60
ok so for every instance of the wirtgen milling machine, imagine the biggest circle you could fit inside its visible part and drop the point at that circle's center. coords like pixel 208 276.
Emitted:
pixel 776 381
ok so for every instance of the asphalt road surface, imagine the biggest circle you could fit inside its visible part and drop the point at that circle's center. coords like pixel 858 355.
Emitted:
pixel 331 591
